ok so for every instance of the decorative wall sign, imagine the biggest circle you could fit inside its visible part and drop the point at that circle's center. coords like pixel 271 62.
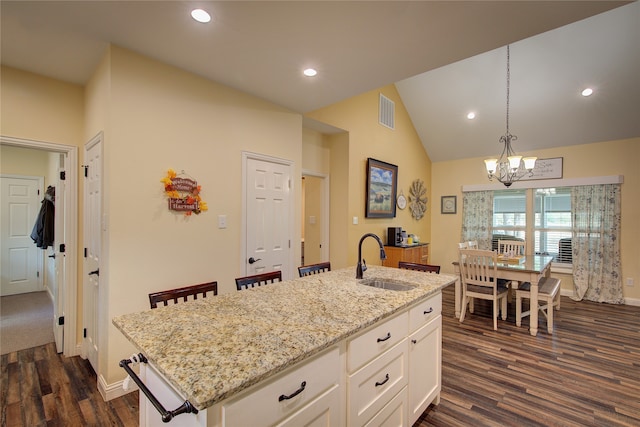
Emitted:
pixel 401 201
pixel 546 169
pixel 382 182
pixel 418 199
pixel 183 193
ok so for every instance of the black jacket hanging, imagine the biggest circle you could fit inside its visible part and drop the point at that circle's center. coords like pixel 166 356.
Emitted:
pixel 43 229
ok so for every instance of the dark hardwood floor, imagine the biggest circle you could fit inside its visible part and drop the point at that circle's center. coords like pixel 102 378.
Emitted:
pixel 586 374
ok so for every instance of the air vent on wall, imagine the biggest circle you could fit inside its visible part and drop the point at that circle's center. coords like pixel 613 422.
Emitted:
pixel 386 112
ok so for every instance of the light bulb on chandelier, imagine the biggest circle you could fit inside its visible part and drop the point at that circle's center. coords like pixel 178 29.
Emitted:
pixel 510 167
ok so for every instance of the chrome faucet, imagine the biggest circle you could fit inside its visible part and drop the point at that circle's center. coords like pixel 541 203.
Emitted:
pixel 362 264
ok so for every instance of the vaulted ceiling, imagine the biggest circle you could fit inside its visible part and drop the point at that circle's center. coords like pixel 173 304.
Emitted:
pixel 447 58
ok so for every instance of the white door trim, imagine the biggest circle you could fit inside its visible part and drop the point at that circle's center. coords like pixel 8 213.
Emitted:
pixel 325 209
pixel 70 282
pixel 246 155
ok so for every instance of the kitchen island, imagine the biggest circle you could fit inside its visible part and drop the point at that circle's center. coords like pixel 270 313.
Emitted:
pixel 221 353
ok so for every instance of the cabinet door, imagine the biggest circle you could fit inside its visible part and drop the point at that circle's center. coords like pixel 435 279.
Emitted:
pixel 425 356
pixel 322 412
pixel 424 254
pixel 393 256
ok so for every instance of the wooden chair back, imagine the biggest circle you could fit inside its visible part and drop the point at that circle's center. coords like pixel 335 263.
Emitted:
pixel 479 267
pixel 463 245
pixel 258 280
pixel 479 273
pixel 182 294
pixel 511 247
pixel 473 244
pixel 419 267
pixel 321 267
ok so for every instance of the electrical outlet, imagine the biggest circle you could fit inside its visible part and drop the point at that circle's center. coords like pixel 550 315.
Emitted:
pixel 629 281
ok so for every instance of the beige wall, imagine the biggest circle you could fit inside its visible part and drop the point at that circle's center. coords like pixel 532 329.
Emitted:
pixel 600 159
pixel 24 161
pixel 157 117
pixel 367 138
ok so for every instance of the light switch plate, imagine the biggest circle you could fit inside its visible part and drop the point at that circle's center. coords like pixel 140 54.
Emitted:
pixel 222 221
pixel 355 220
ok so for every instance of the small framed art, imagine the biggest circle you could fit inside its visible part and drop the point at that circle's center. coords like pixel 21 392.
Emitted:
pixel 382 183
pixel 448 204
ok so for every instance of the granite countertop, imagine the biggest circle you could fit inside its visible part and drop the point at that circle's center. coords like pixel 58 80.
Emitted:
pixel 212 348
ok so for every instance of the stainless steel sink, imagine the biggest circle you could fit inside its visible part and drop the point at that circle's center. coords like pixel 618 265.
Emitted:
pixel 389 284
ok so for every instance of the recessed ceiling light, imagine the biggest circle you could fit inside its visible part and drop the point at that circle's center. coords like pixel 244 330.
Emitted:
pixel 471 115
pixel 310 72
pixel 200 15
pixel 587 92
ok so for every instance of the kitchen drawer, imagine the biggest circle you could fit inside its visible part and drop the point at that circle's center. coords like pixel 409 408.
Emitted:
pixel 424 312
pixel 373 386
pixel 324 411
pixel 261 406
pixel 394 414
pixel 376 340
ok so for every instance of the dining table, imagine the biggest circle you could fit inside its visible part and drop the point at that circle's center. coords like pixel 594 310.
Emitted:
pixel 529 268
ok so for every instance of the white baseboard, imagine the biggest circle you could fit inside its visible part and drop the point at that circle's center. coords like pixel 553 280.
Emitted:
pixel 114 390
pixel 627 301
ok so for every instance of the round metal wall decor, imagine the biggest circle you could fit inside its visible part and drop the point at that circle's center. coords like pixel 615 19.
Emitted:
pixel 417 199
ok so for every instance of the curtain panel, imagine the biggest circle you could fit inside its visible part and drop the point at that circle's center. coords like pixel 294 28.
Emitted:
pixel 596 243
pixel 477 217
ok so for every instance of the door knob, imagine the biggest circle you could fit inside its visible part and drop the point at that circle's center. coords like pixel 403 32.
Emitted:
pixel 96 272
pixel 251 260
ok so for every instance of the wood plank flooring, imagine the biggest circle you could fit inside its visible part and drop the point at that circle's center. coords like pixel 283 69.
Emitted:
pixel 586 374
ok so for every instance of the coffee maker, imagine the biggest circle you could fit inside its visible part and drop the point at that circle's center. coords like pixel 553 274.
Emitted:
pixel 394 236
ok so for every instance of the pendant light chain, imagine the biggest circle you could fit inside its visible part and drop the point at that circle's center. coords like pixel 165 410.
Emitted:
pixel 508 86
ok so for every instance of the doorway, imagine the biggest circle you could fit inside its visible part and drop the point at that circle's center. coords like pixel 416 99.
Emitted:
pixel 315 218
pixel 65 247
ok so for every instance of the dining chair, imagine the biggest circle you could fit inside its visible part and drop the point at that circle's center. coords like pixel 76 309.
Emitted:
pixel 511 247
pixel 479 271
pixel 548 298
pixel 256 280
pixel 473 244
pixel 321 267
pixel 182 293
pixel 463 245
pixel 419 267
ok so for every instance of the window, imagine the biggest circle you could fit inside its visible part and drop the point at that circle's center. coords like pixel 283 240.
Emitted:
pixel 549 221
pixel 509 215
pixel 552 227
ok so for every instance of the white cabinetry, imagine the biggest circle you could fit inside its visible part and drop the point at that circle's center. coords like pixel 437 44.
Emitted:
pixel 378 370
pixel 385 376
pixel 425 356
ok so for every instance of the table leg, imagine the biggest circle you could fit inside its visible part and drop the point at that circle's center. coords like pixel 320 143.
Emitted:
pixel 533 309
pixel 457 297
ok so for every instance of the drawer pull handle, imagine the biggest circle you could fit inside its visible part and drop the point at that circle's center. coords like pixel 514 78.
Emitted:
pixel 295 393
pixel 430 311
pixel 385 338
pixel 383 382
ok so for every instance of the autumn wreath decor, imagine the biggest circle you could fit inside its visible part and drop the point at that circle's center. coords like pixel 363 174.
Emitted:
pixel 183 194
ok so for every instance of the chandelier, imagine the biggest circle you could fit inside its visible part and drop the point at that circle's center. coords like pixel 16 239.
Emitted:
pixel 509 168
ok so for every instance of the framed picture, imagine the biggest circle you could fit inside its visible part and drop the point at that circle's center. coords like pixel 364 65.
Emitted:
pixel 382 184
pixel 448 204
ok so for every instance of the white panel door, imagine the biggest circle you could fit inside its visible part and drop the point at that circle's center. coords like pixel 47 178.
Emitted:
pixel 92 240
pixel 59 260
pixel 21 259
pixel 268 245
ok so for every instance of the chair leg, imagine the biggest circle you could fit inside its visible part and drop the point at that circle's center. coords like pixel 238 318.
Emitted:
pixel 550 315
pixel 463 310
pixel 518 309
pixel 495 315
pixel 504 307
